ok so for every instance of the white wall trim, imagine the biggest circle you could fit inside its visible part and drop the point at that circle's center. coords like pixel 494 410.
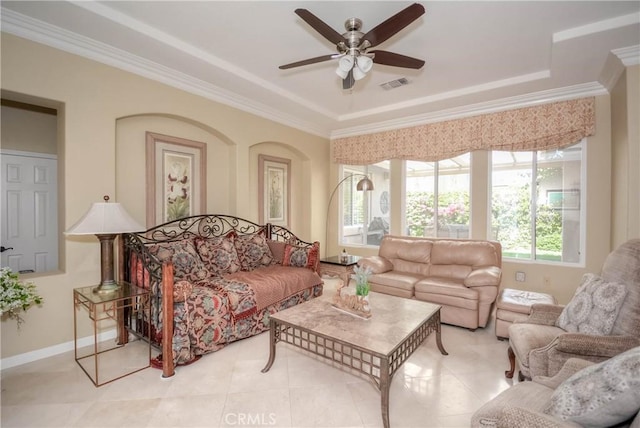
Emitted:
pixel 28 154
pixel 596 27
pixel 39 354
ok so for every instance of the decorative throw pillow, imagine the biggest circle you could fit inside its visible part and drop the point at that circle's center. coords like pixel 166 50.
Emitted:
pixel 600 395
pixel 302 256
pixel 253 251
pixel 181 291
pixel 187 264
pixel 219 254
pixel 277 250
pixel 594 307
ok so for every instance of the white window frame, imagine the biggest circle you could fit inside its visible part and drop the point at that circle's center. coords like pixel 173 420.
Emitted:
pixel 581 263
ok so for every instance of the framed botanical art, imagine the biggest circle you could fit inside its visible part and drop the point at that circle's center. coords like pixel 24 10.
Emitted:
pixel 274 184
pixel 176 178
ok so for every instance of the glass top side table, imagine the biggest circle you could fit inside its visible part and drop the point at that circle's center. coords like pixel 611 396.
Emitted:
pixel 336 266
pixel 102 360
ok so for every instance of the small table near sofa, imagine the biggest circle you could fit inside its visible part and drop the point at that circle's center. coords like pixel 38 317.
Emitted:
pixel 336 266
pixel 375 347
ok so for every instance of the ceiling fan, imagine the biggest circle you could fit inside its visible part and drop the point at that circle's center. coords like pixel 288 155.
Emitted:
pixel 353 46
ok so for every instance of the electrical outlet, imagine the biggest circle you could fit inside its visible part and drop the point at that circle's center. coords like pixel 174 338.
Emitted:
pixel 546 281
pixel 520 276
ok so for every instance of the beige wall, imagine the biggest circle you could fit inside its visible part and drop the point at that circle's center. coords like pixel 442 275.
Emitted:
pixel 625 141
pixel 28 131
pixel 104 113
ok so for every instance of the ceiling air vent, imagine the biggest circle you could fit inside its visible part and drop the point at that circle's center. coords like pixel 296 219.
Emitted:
pixel 392 84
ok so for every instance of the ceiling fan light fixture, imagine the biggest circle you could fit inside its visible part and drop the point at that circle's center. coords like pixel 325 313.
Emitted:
pixel 358 73
pixel 344 66
pixel 364 63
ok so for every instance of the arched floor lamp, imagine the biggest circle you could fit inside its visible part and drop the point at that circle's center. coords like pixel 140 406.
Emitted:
pixel 364 185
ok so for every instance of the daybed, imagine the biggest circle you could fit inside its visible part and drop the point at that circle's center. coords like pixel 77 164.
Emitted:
pixel 215 279
pixel 461 275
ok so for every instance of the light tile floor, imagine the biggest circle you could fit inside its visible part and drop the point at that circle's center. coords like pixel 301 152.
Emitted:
pixel 227 389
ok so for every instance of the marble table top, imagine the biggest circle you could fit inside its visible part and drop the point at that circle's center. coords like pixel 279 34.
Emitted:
pixel 393 320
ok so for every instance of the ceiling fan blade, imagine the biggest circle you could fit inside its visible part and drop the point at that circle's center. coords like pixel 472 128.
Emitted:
pixel 309 61
pixel 326 31
pixel 391 26
pixel 349 81
pixel 396 60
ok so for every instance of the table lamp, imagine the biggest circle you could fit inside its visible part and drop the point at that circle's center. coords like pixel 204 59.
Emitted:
pixel 106 220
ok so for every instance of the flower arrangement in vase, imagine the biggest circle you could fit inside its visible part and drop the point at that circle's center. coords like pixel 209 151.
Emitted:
pixel 356 304
pixel 361 276
pixel 16 295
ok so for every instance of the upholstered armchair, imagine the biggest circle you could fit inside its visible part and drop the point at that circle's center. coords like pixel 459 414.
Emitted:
pixel 601 320
pixel 581 394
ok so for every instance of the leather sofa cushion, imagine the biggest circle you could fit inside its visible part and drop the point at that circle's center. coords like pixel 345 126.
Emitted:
pixel 489 275
pixel 412 250
pixel 395 279
pixel 450 271
pixel 377 264
pixel 447 286
pixel 451 252
pixel 407 254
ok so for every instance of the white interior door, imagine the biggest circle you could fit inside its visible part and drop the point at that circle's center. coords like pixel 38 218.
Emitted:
pixel 29 223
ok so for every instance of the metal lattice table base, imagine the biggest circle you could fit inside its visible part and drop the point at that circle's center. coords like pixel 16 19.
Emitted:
pixel 378 367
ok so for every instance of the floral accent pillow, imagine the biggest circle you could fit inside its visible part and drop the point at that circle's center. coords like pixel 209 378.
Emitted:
pixel 604 394
pixel 187 264
pixel 307 257
pixel 253 251
pixel 594 307
pixel 181 290
pixel 219 254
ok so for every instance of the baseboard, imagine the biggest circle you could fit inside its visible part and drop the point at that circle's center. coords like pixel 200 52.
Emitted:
pixel 39 354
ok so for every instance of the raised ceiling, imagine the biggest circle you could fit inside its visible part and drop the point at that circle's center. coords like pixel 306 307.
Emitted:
pixel 480 55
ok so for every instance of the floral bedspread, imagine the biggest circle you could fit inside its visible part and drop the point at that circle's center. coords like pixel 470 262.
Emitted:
pixel 222 312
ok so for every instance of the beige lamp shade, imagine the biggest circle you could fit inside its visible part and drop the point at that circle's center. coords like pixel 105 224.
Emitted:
pixel 105 218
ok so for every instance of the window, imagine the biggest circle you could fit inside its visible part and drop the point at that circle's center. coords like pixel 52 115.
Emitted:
pixel 364 215
pixel 536 210
pixel 437 198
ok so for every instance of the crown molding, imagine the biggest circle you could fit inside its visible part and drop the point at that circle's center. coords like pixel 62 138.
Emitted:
pixel 138 26
pixel 56 37
pixel 615 65
pixel 528 100
pixel 597 27
pixel 629 56
pixel 450 94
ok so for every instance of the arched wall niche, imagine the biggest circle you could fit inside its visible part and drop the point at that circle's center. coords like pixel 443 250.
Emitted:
pixel 301 182
pixel 131 186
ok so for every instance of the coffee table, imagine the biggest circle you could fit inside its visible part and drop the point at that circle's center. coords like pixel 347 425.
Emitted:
pixel 374 347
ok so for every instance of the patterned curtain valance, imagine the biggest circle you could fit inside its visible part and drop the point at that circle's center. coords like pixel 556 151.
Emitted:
pixel 540 127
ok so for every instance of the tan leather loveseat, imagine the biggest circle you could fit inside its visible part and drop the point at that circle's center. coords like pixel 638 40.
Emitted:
pixel 463 276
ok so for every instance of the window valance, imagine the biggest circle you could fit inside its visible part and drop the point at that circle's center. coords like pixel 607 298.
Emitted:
pixel 542 127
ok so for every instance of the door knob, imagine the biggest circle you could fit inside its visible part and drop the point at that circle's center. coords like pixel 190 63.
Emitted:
pixel 3 249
